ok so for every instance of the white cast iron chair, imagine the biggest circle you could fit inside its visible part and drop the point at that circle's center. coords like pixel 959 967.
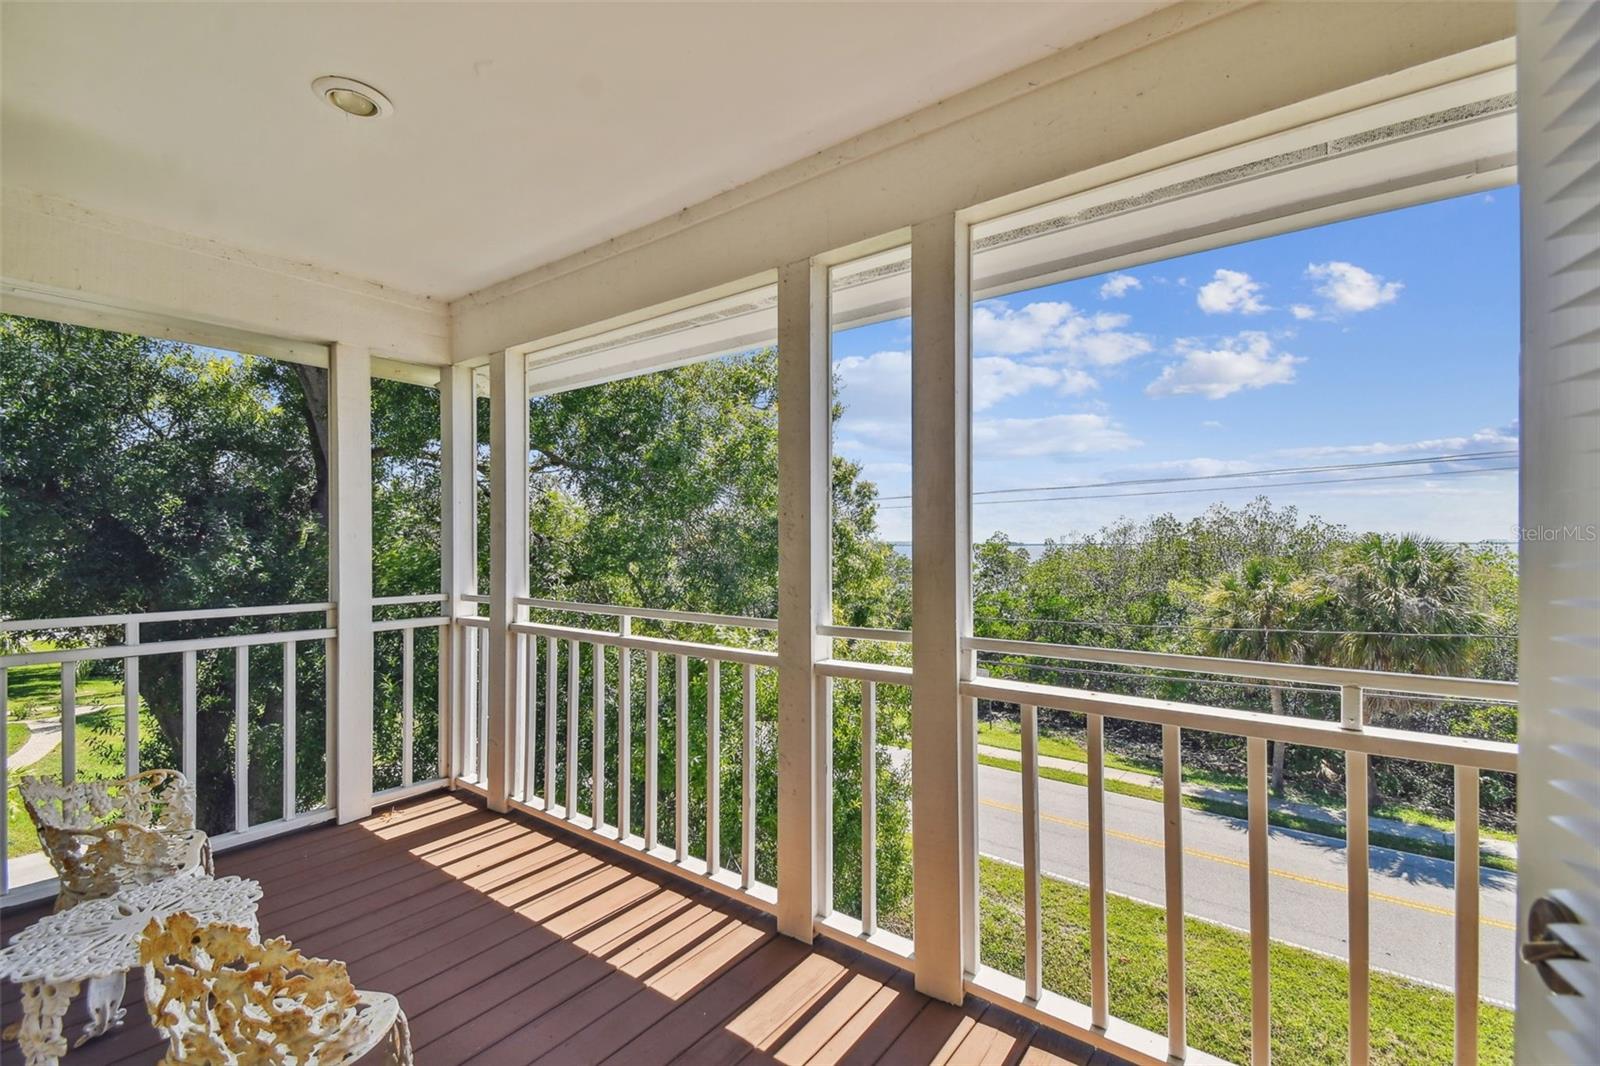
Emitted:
pixel 220 996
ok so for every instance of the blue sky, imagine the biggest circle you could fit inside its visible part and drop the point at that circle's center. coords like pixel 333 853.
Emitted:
pixel 1387 339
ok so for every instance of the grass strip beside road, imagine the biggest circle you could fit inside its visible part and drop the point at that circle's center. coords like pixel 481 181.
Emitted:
pixel 1411 1022
pixel 1279 818
pixel 1004 734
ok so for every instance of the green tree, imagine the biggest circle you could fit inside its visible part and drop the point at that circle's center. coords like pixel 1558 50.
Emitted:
pixel 1406 604
pixel 1264 610
pixel 145 475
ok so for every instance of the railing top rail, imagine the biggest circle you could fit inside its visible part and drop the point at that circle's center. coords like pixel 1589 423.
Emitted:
pixel 665 645
pixel 23 625
pixel 882 673
pixel 391 625
pixel 161 647
pixel 1312 732
pixel 1332 676
pixel 885 636
pixel 731 621
pixel 396 601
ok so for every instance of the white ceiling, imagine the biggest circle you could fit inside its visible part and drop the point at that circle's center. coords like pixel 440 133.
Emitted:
pixel 521 133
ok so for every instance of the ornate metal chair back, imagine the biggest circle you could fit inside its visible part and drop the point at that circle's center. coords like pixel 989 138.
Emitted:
pixel 220 996
pixel 156 799
pixel 103 835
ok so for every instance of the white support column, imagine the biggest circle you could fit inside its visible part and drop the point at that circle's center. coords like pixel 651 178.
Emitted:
pixel 350 578
pixel 803 580
pixel 942 757
pixel 508 564
pixel 456 549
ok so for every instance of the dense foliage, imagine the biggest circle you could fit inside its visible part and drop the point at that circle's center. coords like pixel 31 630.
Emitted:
pixel 142 475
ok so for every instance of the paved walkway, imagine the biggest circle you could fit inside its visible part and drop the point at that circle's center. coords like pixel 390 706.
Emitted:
pixel 1312 811
pixel 46 735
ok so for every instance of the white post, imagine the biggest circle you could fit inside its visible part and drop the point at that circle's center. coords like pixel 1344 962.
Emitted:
pixel 803 579
pixel 508 565
pixel 130 702
pixel 941 762
pixel 350 579
pixel 456 550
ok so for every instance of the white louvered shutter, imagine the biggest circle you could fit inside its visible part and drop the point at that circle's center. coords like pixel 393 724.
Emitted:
pixel 1558 68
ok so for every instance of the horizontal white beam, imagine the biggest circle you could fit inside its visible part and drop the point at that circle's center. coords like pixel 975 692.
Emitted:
pixel 730 621
pixel 1187 79
pixel 26 625
pixel 1374 740
pixel 636 642
pixel 67 262
pixel 1332 676
pixel 165 647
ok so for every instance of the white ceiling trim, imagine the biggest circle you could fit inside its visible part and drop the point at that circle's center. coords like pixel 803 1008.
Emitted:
pixel 1180 87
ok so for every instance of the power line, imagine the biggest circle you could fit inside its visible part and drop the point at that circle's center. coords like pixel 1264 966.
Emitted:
pixel 1094 624
pixel 1228 488
pixel 1286 686
pixel 1454 457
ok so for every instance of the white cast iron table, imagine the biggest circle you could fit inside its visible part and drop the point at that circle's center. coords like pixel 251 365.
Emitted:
pixel 97 942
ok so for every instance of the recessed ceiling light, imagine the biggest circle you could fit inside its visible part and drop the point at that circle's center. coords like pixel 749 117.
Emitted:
pixel 352 97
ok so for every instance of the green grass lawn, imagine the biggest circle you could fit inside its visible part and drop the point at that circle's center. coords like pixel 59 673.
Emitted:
pixel 1065 746
pixel 17 735
pixel 1283 819
pixel 35 691
pixel 1411 1023
pixel 100 754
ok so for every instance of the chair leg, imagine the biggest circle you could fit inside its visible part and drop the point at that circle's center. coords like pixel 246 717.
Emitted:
pixel 400 1041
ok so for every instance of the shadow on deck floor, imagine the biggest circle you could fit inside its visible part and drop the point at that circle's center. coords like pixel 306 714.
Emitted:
pixel 512 942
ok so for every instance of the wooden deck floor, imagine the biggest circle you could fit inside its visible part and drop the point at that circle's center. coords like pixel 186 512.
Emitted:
pixel 510 942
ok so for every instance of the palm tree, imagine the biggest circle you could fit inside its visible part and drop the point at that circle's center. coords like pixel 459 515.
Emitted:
pixel 1262 611
pixel 1399 598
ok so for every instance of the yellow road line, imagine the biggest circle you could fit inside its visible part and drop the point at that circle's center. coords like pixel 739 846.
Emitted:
pixel 1229 860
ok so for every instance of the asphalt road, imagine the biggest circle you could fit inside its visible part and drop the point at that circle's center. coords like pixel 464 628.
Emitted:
pixel 1412 896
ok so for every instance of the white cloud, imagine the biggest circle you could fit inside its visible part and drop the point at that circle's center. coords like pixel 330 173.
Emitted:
pixel 1503 438
pixel 1110 349
pixel 1303 311
pixel 882 379
pixel 1055 331
pixel 1348 287
pixel 1052 435
pixel 1199 466
pixel 1246 361
pixel 997 378
pixel 1211 423
pixel 1229 291
pixel 1118 286
pixel 1074 382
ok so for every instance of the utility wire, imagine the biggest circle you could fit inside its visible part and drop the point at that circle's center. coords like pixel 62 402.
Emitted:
pixel 1455 457
pixel 1194 626
pixel 1226 488
pixel 1287 686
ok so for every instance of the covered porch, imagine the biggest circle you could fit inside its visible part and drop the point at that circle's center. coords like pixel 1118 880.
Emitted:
pixel 610 831
pixel 509 941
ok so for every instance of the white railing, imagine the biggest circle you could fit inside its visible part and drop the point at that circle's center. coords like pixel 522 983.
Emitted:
pixel 407 628
pixel 1466 756
pixel 865 932
pixel 134 649
pixel 131 651
pixel 547 778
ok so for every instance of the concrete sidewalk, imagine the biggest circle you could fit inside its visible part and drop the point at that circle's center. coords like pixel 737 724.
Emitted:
pixel 1311 811
pixel 46 734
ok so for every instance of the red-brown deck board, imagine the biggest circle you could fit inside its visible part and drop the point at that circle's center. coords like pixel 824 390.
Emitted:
pixel 512 942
